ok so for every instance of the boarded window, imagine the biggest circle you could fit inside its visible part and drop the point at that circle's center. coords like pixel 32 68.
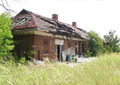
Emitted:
pixel 46 46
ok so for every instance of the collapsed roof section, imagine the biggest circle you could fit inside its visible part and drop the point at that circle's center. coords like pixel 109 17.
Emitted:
pixel 29 20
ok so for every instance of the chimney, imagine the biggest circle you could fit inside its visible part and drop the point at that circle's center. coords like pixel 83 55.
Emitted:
pixel 74 24
pixel 55 17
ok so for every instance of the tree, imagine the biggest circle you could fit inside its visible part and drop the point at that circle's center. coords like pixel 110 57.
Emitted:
pixel 6 42
pixel 113 41
pixel 95 43
pixel 5 5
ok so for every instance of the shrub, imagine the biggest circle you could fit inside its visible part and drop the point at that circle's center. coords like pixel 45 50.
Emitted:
pixel 95 44
pixel 6 42
pixel 22 60
pixel 88 54
pixel 29 54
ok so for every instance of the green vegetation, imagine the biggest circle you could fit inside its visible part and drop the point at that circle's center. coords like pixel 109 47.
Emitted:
pixel 102 71
pixel 6 42
pixel 88 54
pixel 23 59
pixel 29 54
pixel 113 41
pixel 95 44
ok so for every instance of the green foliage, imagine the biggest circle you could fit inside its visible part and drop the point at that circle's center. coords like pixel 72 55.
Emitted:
pixel 118 50
pixel 6 42
pixel 108 49
pixel 17 59
pixel 88 54
pixel 95 43
pixel 22 60
pixel 113 41
pixel 16 42
pixel 29 54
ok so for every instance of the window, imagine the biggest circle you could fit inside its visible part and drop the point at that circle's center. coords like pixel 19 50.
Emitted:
pixel 82 48
pixel 76 48
pixel 46 46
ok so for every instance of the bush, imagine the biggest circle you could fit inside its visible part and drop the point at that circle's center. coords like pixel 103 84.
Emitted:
pixel 29 54
pixel 88 54
pixel 22 60
pixel 95 44
pixel 108 49
pixel 6 42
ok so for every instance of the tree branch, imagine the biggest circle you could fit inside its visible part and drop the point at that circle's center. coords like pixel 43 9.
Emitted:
pixel 8 10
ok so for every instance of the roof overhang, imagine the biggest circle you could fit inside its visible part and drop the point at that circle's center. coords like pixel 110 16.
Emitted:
pixel 42 33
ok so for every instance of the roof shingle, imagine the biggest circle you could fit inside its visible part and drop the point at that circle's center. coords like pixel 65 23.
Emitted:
pixel 28 20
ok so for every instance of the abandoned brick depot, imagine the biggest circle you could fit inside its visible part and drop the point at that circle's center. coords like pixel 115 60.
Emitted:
pixel 48 37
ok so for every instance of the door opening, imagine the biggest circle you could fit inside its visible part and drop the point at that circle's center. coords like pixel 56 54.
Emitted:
pixel 38 54
pixel 59 52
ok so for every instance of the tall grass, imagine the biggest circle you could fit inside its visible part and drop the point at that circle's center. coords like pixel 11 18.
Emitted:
pixel 102 71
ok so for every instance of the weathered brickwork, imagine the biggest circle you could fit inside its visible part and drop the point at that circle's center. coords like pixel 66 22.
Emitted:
pixel 27 42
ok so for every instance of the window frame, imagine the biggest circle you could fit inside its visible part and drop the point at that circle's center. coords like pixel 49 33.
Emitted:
pixel 82 47
pixel 76 48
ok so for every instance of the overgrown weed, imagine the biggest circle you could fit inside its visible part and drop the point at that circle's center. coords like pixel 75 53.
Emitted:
pixel 102 71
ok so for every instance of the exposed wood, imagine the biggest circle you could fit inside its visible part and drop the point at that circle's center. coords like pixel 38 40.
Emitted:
pixel 42 33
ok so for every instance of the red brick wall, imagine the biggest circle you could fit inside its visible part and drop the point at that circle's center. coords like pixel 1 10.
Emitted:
pixel 28 40
pixel 39 41
pixel 25 43
pixel 65 46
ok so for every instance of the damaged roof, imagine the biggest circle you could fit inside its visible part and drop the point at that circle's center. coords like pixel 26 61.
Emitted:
pixel 29 20
pixel 105 42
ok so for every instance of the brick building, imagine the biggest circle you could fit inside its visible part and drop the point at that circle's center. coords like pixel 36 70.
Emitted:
pixel 48 37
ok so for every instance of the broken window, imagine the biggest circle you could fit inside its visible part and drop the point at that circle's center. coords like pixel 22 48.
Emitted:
pixel 46 46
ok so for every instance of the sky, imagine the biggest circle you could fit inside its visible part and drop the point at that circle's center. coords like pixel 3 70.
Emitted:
pixel 100 16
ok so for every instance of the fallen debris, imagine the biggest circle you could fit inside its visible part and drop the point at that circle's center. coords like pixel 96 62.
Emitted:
pixel 70 51
pixel 38 62
pixel 83 60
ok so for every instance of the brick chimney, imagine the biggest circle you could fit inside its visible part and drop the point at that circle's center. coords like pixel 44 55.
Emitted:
pixel 55 17
pixel 74 24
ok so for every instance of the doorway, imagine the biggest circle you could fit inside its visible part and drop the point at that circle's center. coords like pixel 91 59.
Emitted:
pixel 58 48
pixel 38 54
pixel 58 51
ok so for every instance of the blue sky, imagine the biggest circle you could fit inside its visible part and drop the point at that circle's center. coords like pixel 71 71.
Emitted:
pixel 97 15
